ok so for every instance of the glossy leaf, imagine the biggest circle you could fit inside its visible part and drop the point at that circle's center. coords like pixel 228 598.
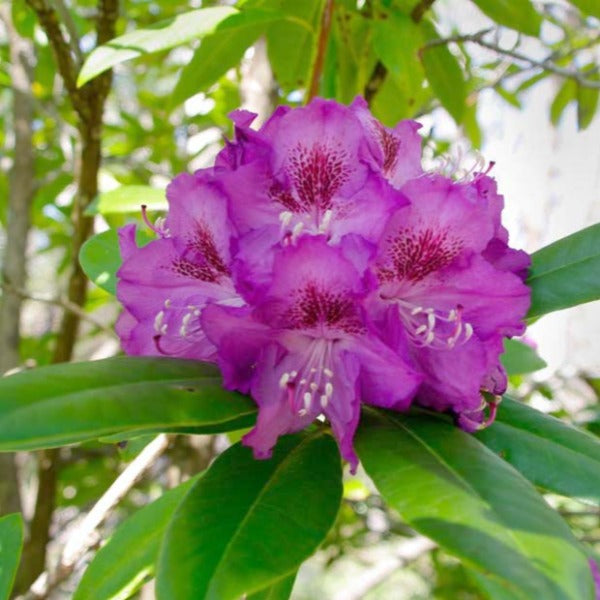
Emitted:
pixel 447 485
pixel 550 453
pixel 520 358
pixel 11 543
pixel 247 523
pixel 100 257
pixel 566 273
pixel 280 590
pixel 446 79
pixel 221 51
pixel 68 403
pixel 516 14
pixel 164 35
pixel 128 558
pixel 128 199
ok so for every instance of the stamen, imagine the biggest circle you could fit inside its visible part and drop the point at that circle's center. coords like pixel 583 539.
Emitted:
pixel 157 230
pixel 328 389
pixel 326 220
pixel 307 398
pixel 297 230
pixel 285 217
pixel 158 321
pixel 328 372
pixel 324 401
pixel 284 380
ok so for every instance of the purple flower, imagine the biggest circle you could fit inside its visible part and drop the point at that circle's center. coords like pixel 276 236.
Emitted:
pixel 596 576
pixel 321 268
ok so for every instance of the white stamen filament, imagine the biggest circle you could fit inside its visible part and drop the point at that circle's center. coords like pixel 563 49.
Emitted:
pixel 158 321
pixel 285 217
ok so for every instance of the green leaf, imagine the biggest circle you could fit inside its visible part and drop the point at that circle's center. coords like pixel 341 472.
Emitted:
pixel 69 403
pixel 587 102
pixel 11 543
pixel 516 14
pixel 447 485
pixel 164 35
pixel 565 273
pixel 396 41
pixel 290 43
pixel 494 590
pixel 221 51
pixel 520 358
pixel 588 7
pixel 281 590
pixel 247 523
pixel 566 94
pixel 128 559
pixel 446 79
pixel 549 452
pixel 100 257
pixel 128 199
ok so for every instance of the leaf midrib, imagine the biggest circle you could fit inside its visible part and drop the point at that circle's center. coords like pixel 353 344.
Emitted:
pixel 456 474
pixel 563 266
pixel 263 490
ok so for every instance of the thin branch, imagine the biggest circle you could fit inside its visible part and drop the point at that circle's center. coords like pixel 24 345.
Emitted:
pixel 82 538
pixel 317 68
pixel 545 64
pixel 49 22
pixel 418 12
pixel 63 303
pixel 67 19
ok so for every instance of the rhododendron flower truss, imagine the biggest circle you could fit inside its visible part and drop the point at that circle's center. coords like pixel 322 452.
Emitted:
pixel 321 268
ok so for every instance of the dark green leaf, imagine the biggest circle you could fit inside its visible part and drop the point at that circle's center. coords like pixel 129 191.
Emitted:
pixel 519 358
pixel 549 452
pixel 11 543
pixel 278 591
pixel 516 14
pixel 165 35
pixel 100 257
pixel 448 486
pixel 587 102
pixel 446 79
pixel 68 403
pixel 566 94
pixel 221 51
pixel 247 523
pixel 566 273
pixel 128 558
pixel 128 199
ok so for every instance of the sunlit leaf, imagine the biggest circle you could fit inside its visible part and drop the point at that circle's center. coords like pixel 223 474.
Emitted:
pixel 566 94
pixel 587 102
pixel 128 199
pixel 221 51
pixel 164 35
pixel 451 488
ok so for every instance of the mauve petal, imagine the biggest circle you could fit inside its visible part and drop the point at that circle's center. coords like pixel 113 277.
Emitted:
pixel 127 244
pixel 396 151
pixel 239 339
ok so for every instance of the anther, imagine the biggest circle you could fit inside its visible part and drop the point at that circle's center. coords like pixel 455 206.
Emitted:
pixel 421 329
pixel 158 320
pixel 328 389
pixel 284 380
pixel 313 386
pixel 328 372
pixel 307 398
pixel 324 401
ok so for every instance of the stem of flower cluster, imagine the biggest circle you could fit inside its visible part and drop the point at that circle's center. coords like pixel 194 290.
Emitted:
pixel 319 60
